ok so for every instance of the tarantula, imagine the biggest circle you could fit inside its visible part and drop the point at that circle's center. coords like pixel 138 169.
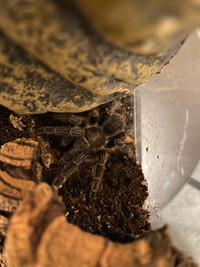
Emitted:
pixel 89 136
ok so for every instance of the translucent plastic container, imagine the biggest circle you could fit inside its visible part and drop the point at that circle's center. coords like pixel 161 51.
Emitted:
pixel 167 130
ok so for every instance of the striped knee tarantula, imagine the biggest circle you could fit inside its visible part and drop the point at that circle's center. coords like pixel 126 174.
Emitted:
pixel 90 136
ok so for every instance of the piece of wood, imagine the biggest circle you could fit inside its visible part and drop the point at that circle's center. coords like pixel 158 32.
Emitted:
pixel 142 26
pixel 39 235
pixel 2 260
pixel 19 172
pixel 67 67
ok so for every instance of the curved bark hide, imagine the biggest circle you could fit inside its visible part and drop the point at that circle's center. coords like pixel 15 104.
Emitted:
pixel 67 67
pixel 40 236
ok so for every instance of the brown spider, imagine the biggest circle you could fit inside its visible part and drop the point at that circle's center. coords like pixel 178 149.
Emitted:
pixel 89 136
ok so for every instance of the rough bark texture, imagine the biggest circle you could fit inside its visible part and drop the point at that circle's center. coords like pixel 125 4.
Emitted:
pixel 18 166
pixel 142 26
pixel 19 170
pixel 68 67
pixel 40 236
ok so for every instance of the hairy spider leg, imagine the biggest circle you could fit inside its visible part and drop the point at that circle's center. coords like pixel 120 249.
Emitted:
pixel 113 125
pixel 69 170
pixel 78 147
pixel 65 158
pixel 112 106
pixel 94 116
pixel 119 142
pixel 98 173
pixel 61 130
pixel 122 145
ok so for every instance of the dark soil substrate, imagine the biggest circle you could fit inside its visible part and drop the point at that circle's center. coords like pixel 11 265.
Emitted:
pixel 117 212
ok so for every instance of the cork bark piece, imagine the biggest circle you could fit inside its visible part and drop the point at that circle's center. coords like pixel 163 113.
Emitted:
pixel 142 26
pixel 40 236
pixel 19 172
pixel 68 67
pixel 28 86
